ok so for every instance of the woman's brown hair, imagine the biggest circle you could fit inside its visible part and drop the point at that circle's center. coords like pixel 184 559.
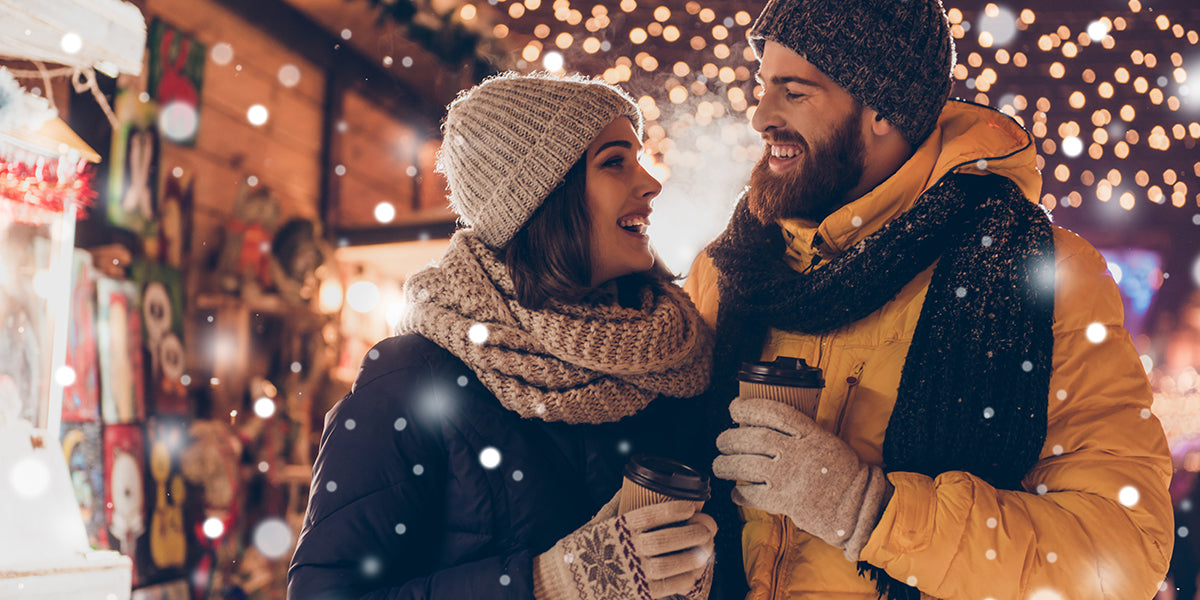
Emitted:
pixel 550 256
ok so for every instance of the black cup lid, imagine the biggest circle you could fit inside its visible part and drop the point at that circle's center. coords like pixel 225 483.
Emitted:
pixel 784 370
pixel 667 477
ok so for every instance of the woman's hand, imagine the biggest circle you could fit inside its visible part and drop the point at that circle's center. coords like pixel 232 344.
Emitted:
pixel 652 552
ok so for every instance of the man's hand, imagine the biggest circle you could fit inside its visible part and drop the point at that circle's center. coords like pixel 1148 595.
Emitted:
pixel 787 465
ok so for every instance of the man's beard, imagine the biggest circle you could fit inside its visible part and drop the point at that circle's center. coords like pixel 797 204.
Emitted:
pixel 827 172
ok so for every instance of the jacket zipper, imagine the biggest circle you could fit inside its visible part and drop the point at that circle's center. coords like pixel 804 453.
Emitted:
pixel 852 382
pixel 783 548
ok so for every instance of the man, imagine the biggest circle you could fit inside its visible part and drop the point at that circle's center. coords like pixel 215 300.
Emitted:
pixel 985 428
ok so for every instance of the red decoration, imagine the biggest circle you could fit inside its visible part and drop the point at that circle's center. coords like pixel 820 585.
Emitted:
pixel 32 193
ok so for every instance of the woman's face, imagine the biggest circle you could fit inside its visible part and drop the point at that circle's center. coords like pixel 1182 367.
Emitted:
pixel 619 191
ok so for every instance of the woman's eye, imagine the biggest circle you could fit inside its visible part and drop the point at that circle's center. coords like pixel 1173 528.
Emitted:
pixel 615 161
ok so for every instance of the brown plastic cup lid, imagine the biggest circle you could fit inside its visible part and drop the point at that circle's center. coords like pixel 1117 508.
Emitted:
pixel 784 370
pixel 667 477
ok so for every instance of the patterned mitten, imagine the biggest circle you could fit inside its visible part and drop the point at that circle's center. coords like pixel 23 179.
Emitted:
pixel 789 466
pixel 652 552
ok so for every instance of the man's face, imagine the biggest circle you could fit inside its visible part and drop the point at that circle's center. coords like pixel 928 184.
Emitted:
pixel 814 135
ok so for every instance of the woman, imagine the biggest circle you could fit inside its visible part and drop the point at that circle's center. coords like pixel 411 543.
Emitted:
pixel 475 446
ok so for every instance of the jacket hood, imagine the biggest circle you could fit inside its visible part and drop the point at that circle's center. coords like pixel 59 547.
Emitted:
pixel 969 138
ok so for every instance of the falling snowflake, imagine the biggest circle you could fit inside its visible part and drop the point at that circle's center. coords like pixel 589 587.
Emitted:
pixel 1061 394
pixel 624 446
pixel 462 381
pixel 961 292
pixel 505 580
pixel 373 354
pixel 1042 489
pixel 988 413
pixel 1046 594
pixel 986 241
pixel 418 469
pixel 992 522
pixel 518 475
pixel 824 470
pixel 371 567
pixel 401 528
pixel 1128 496
pixel 400 424
pixel 856 221
pixel 1051 557
pixel 478 333
pixel 539 409
pixel 1182 531
pixel 981 164
pixel 273 538
pixel 489 458
pixel 331 486
pixel 1058 450
pixel 990 554
pixel 1096 333
pixel 912 580
pixel 1027 366
pixel 1145 413
pixel 351 424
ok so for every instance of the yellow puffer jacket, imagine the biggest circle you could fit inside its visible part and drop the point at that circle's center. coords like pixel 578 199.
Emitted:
pixel 1095 520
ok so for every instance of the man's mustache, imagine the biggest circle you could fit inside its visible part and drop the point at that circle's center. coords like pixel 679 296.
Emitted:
pixel 778 137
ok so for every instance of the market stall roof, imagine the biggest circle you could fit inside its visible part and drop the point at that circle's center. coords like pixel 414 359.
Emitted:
pixel 108 35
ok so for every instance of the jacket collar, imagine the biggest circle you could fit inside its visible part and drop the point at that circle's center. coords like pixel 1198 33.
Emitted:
pixel 969 138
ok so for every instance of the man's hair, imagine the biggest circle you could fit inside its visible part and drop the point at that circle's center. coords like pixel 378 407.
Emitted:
pixel 550 256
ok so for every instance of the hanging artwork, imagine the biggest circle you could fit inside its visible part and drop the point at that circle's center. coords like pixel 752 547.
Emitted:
pixel 124 490
pixel 81 399
pixel 83 448
pixel 161 291
pixel 176 76
pixel 133 166
pixel 165 498
pixel 119 342
pixel 173 243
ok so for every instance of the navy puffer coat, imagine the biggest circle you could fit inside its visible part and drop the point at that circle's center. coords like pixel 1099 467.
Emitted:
pixel 427 487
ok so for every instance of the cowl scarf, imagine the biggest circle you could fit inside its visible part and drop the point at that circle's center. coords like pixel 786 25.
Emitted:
pixel 585 362
pixel 974 386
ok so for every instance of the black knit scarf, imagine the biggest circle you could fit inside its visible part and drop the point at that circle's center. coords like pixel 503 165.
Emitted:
pixel 973 390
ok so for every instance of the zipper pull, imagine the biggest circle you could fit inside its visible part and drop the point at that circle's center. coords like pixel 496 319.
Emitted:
pixel 855 376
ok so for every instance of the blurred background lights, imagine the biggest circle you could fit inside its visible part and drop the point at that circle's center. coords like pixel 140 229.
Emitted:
pixel 1097 30
pixel 1072 146
pixel 273 538
pixel 489 458
pixel 478 333
pixel 997 26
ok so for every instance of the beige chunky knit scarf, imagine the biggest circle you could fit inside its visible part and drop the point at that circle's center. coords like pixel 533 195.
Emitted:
pixel 573 362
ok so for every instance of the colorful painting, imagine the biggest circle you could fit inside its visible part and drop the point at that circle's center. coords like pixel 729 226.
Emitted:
pixel 161 289
pixel 81 399
pixel 133 166
pixel 83 447
pixel 119 343
pixel 173 244
pixel 165 496
pixel 173 590
pixel 124 490
pixel 176 76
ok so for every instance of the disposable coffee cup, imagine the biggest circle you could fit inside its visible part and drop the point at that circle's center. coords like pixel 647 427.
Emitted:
pixel 786 379
pixel 654 479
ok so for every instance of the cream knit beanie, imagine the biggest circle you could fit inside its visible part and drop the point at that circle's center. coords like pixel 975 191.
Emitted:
pixel 509 141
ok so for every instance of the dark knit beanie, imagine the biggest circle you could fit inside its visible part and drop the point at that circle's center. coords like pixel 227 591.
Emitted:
pixel 895 56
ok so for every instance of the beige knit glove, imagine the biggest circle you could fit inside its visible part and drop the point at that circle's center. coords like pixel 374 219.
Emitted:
pixel 653 552
pixel 790 466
